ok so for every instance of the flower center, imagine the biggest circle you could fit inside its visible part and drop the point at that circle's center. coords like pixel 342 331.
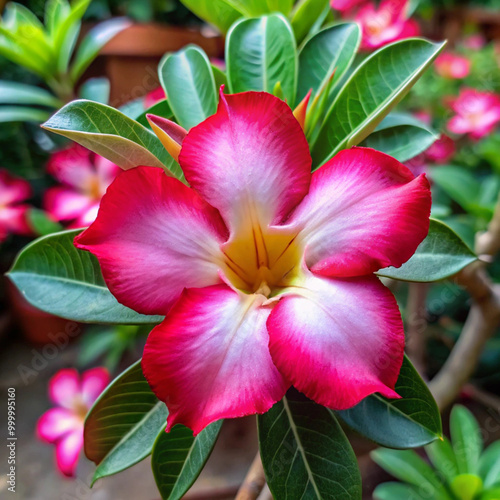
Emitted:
pixel 263 262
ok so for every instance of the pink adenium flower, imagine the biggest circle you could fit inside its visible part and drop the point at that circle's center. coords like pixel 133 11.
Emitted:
pixel 386 23
pixel 156 95
pixel 450 65
pixel 85 177
pixel 346 6
pixel 264 271
pixel 475 41
pixel 13 192
pixel 477 113
pixel 62 426
pixel 441 151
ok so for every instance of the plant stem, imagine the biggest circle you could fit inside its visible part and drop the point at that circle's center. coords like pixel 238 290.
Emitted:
pixel 254 481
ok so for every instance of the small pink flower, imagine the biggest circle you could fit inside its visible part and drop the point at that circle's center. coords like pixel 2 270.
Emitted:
pixel 85 177
pixel 385 24
pixel 441 151
pixel 423 116
pixel 263 270
pixel 156 95
pixel 475 41
pixel 63 425
pixel 477 113
pixel 346 6
pixel 450 65
pixel 13 192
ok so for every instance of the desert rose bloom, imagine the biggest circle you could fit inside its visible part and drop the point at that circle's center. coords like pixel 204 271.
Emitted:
pixel 13 192
pixel 264 271
pixel 62 426
pixel 85 177
pixel 477 113
pixel 475 41
pixel 450 65
pixel 441 151
pixel 386 23
pixel 346 5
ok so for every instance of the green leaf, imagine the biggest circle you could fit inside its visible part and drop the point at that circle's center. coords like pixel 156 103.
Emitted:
pixel 260 53
pixel 220 13
pixel 442 457
pixel 178 458
pixel 219 77
pixel 489 465
pixel 466 486
pixel 160 108
pixel 441 255
pixel 111 134
pixel 304 15
pixel 305 452
pixel 122 425
pixel 21 93
pixel 96 89
pixel 465 439
pixel 255 8
pixel 56 277
pixel 398 491
pixel 22 114
pixel 401 136
pixel 332 49
pixel 93 42
pixel 409 422
pixel 376 86
pixel 41 223
pixel 55 12
pixel 493 494
pixel 188 80
pixel 407 466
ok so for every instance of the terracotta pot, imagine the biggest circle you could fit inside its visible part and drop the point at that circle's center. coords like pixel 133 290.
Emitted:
pixel 130 60
pixel 38 327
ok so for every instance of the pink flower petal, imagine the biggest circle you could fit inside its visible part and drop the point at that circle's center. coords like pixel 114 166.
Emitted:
pixel 338 340
pixel 364 211
pixel 13 189
pixel 64 386
pixel 209 359
pixel 153 237
pixel 55 423
pixel 106 171
pixel 64 203
pixel 94 381
pixel 72 166
pixel 249 160
pixel 67 451
pixel 13 219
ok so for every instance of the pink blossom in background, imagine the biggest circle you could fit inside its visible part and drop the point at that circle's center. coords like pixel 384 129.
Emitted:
pixel 476 113
pixel 345 6
pixel 474 42
pixel 450 65
pixel 441 151
pixel 424 116
pixel 265 277
pixel 156 95
pixel 62 426
pixel 85 177
pixel 386 23
pixel 14 191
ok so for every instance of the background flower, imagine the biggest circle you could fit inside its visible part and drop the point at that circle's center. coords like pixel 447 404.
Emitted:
pixel 450 65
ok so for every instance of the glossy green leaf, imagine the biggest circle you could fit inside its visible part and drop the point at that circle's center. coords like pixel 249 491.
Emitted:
pixel 408 422
pixel 443 458
pixel 93 42
pixel 255 8
pixel 260 53
pixel 22 114
pixel 123 424
pixel 489 465
pixel 376 86
pixel 188 81
pixel 160 108
pixel 305 453
pixel 332 49
pixel 466 439
pixel 220 13
pixel 304 15
pixel 407 466
pixel 398 491
pixel 56 277
pixel 21 93
pixel 441 255
pixel 466 486
pixel 41 224
pixel 219 77
pixel 178 458
pixel 401 136
pixel 55 12
pixel 111 134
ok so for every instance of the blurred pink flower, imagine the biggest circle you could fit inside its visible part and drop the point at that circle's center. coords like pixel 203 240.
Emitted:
pixel 345 5
pixel 386 23
pixel 63 425
pixel 441 150
pixel 450 65
pixel 85 177
pixel 13 192
pixel 156 95
pixel 477 113
pixel 424 116
pixel 475 41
